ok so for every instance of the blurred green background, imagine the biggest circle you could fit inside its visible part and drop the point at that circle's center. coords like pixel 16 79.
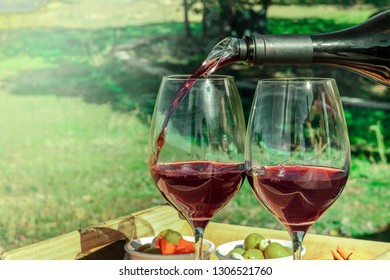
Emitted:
pixel 78 81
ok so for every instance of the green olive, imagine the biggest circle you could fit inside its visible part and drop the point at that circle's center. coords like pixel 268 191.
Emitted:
pixel 253 254
pixel 236 250
pixel 171 236
pixel 275 250
pixel 155 251
pixel 288 250
pixel 143 247
pixel 252 241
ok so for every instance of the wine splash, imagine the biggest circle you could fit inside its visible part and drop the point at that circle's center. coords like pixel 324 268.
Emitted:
pixel 225 52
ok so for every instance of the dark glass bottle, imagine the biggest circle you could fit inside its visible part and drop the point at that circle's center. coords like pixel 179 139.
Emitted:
pixel 364 48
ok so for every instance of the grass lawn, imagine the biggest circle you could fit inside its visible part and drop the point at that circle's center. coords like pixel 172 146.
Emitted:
pixel 66 164
pixel 69 158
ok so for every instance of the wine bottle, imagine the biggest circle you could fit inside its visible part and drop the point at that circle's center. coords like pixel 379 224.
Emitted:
pixel 364 48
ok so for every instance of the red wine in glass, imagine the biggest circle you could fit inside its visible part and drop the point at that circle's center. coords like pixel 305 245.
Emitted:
pixel 198 189
pixel 297 195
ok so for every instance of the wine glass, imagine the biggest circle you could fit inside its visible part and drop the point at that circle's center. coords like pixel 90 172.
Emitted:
pixel 197 143
pixel 297 150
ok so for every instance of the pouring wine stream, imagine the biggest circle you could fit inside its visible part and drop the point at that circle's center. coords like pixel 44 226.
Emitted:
pixel 225 52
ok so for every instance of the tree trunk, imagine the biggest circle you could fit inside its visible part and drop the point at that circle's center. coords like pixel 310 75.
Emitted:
pixel 226 16
pixel 204 18
pixel 186 21
pixel 263 16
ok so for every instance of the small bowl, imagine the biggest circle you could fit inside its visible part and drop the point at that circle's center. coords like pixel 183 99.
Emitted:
pixel 132 254
pixel 225 248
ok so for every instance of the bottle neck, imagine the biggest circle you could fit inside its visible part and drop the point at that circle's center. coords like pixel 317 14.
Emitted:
pixel 364 49
pixel 370 38
pixel 284 49
pixel 296 49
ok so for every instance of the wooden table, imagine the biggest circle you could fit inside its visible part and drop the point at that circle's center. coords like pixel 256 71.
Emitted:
pixel 106 240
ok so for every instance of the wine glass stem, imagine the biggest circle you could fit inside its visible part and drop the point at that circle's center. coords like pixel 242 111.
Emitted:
pixel 199 243
pixel 297 241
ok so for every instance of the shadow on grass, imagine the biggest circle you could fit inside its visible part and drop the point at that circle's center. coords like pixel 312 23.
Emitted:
pixel 124 89
pixel 383 236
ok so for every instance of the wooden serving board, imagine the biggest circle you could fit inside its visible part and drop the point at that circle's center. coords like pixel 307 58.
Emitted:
pixel 107 240
pixel 102 241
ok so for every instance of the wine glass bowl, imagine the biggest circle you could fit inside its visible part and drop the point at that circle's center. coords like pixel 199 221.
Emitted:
pixel 297 150
pixel 197 140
